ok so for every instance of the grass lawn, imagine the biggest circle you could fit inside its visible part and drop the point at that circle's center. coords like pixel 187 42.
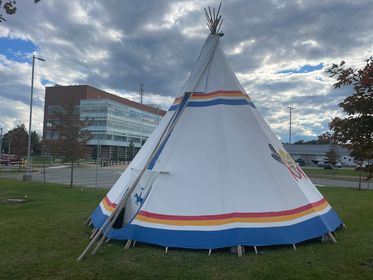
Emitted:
pixel 42 238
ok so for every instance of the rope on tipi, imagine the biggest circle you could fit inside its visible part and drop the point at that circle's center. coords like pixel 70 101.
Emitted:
pixel 214 20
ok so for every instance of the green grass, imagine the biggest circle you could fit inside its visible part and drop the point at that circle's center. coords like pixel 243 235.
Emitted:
pixel 42 238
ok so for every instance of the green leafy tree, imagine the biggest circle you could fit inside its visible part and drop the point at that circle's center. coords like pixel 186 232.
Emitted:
pixel 9 6
pixel 15 142
pixel 94 153
pixel 115 154
pixel 299 142
pixel 73 136
pixel 332 154
pixel 356 130
pixel 322 139
pixel 35 143
pixel 131 151
pixel 17 139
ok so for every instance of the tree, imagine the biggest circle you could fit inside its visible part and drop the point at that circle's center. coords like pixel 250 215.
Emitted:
pixel 355 131
pixel 115 154
pixel 322 139
pixel 9 7
pixel 17 140
pixel 299 142
pixel 332 154
pixel 131 151
pixel 35 143
pixel 73 135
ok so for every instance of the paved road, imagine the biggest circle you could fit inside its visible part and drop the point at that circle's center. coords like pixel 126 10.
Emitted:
pixel 107 176
pixel 340 183
pixel 83 175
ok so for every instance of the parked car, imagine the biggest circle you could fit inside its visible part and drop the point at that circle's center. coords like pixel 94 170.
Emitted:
pixel 338 165
pixel 328 166
pixel 363 165
pixel 321 164
pixel 9 160
pixel 300 161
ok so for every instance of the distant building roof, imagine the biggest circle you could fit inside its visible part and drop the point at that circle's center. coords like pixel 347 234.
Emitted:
pixel 313 149
pixel 59 93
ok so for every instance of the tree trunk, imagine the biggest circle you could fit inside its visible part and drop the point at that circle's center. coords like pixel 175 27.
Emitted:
pixel 360 179
pixel 72 173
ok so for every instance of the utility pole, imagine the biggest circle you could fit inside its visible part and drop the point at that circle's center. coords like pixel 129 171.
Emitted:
pixel 141 92
pixel 98 156
pixel 290 109
pixel 28 177
pixel 1 143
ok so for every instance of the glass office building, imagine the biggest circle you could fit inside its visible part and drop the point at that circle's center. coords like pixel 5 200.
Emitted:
pixel 117 124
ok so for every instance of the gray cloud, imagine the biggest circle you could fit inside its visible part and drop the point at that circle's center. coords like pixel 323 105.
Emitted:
pixel 117 45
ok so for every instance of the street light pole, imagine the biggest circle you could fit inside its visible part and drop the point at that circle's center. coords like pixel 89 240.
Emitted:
pixel 290 109
pixel 1 143
pixel 141 92
pixel 49 125
pixel 97 159
pixel 30 118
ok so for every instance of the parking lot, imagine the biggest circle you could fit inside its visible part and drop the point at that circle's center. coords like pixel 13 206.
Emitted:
pixel 84 175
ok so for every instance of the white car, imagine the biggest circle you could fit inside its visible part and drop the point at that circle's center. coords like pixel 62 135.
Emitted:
pixel 320 163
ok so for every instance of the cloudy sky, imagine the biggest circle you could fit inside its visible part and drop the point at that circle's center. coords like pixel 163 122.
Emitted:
pixel 279 50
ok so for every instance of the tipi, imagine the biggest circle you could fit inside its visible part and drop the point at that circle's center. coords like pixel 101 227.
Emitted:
pixel 213 174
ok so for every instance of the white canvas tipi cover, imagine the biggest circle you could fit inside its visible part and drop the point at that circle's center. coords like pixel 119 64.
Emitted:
pixel 215 174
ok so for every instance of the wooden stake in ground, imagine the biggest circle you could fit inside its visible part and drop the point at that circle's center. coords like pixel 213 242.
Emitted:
pixel 239 250
pixel 128 244
pixel 332 237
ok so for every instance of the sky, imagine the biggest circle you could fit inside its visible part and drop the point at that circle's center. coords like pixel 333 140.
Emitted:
pixel 278 49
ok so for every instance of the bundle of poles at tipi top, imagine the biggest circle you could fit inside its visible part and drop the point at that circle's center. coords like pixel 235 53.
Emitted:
pixel 212 174
pixel 214 20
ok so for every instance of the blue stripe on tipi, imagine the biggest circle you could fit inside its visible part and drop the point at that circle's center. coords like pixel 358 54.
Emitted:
pixel 177 113
pixel 220 101
pixel 98 217
pixel 292 234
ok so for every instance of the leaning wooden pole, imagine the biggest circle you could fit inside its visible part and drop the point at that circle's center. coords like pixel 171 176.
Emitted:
pixel 164 136
pixel 96 235
pixel 111 219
